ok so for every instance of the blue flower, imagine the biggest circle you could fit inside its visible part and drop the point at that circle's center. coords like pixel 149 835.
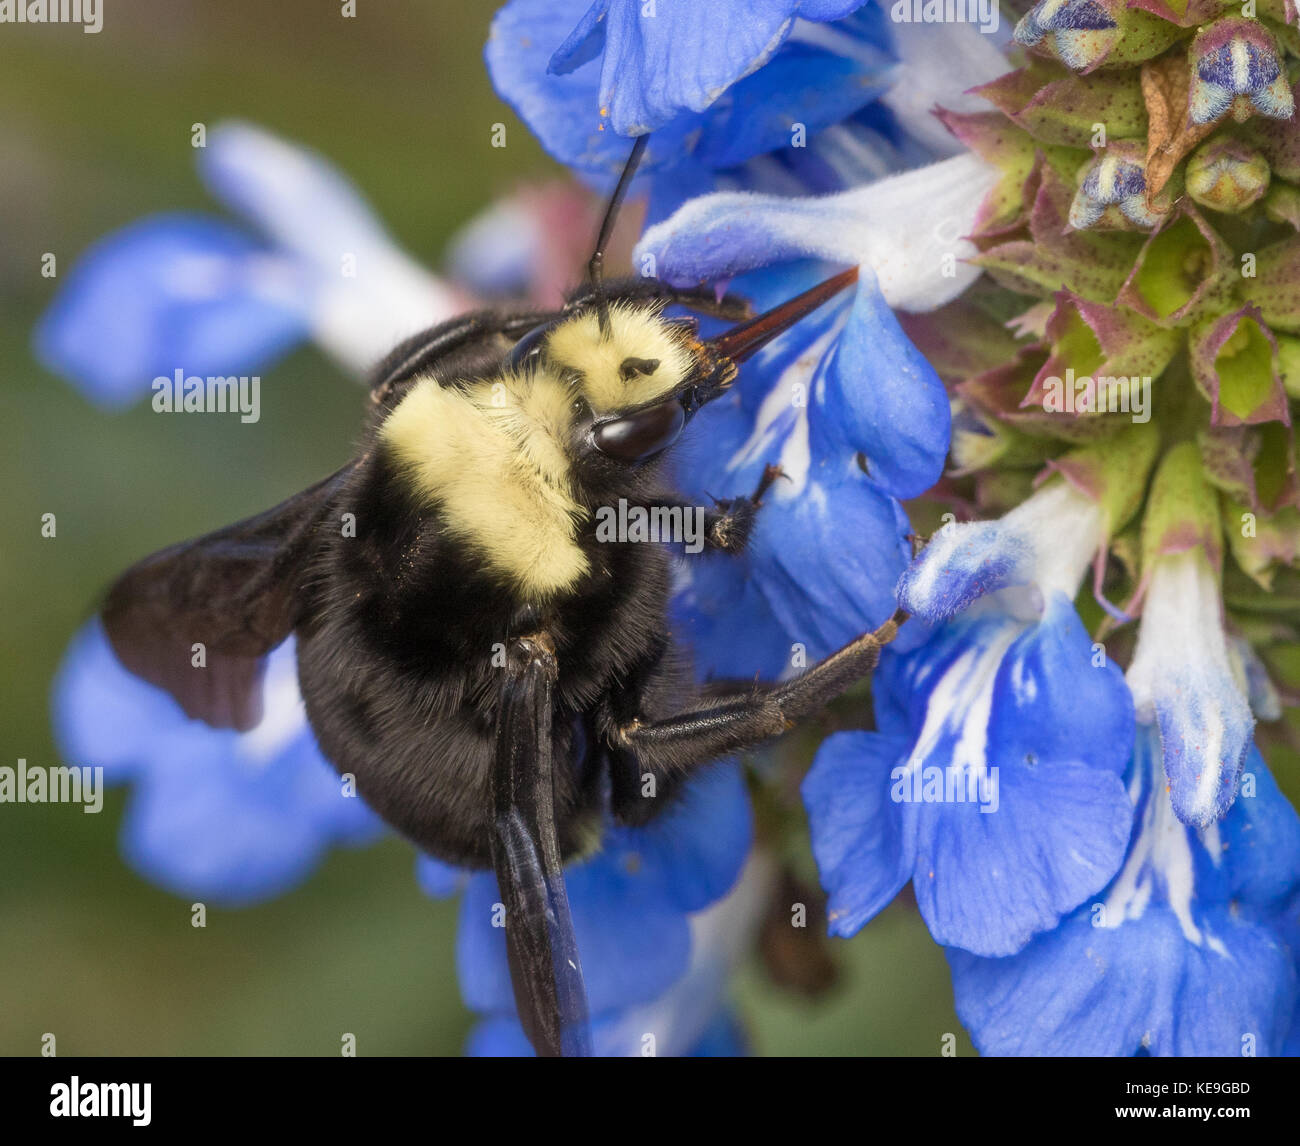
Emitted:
pixel 1184 953
pixel 993 781
pixel 168 292
pixel 657 929
pixel 186 292
pixel 852 412
pixel 1044 544
pixel 230 818
pixel 655 66
pixel 787 97
pixel 693 75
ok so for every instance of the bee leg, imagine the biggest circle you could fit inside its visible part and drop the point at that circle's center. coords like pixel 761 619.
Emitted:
pixel 545 970
pixel 673 746
pixel 728 526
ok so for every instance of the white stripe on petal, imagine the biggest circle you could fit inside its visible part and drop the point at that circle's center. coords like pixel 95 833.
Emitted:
pixel 781 417
pixel 1160 861
pixel 960 706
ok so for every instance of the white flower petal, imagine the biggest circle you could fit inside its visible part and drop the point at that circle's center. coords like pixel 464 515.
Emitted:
pixel 1181 678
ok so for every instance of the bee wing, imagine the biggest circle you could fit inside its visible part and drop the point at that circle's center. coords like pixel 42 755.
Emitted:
pixel 545 970
pixel 234 591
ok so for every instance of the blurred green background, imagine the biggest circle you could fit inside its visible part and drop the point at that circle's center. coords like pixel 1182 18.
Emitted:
pixel 96 133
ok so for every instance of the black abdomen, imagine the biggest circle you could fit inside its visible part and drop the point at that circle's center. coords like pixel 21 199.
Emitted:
pixel 400 650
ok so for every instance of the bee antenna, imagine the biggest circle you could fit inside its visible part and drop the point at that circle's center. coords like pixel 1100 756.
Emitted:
pixel 596 268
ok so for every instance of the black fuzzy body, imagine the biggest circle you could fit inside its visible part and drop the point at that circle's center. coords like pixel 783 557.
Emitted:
pixel 399 653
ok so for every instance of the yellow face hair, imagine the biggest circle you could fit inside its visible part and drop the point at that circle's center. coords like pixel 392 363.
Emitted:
pixel 635 333
pixel 492 458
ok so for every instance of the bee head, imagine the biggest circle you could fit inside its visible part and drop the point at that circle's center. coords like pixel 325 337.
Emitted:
pixel 634 378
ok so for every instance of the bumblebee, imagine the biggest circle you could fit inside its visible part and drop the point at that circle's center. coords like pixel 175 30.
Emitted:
pixel 496 678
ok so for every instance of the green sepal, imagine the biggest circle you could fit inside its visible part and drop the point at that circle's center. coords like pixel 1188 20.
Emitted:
pixel 1261 542
pixel 1182 510
pixel 1056 106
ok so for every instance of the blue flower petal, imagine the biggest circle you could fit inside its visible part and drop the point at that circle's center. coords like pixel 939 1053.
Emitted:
pixel 563 111
pixel 168 293
pixel 825 592
pixel 1204 707
pixel 820 592
pixel 439 880
pixel 666 73
pixel 211 828
pixel 725 1038
pixel 1093 991
pixel 1262 840
pixel 879 396
pixel 1059 731
pixel 989 883
pixel 633 940
pixel 725 621
pixel 1055 697
pixel 803 84
pixel 865 851
pixel 682 57
pixel 1006 853
pixel 105 716
pixel 585 42
pixel 222 816
pixel 498 1037
pixel 699 844
pixel 961 563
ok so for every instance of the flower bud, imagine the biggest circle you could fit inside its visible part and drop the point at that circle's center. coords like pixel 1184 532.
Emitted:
pixel 1227 175
pixel 1236 65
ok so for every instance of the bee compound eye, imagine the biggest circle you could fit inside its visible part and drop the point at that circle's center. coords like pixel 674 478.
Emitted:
pixel 640 435
pixel 528 348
